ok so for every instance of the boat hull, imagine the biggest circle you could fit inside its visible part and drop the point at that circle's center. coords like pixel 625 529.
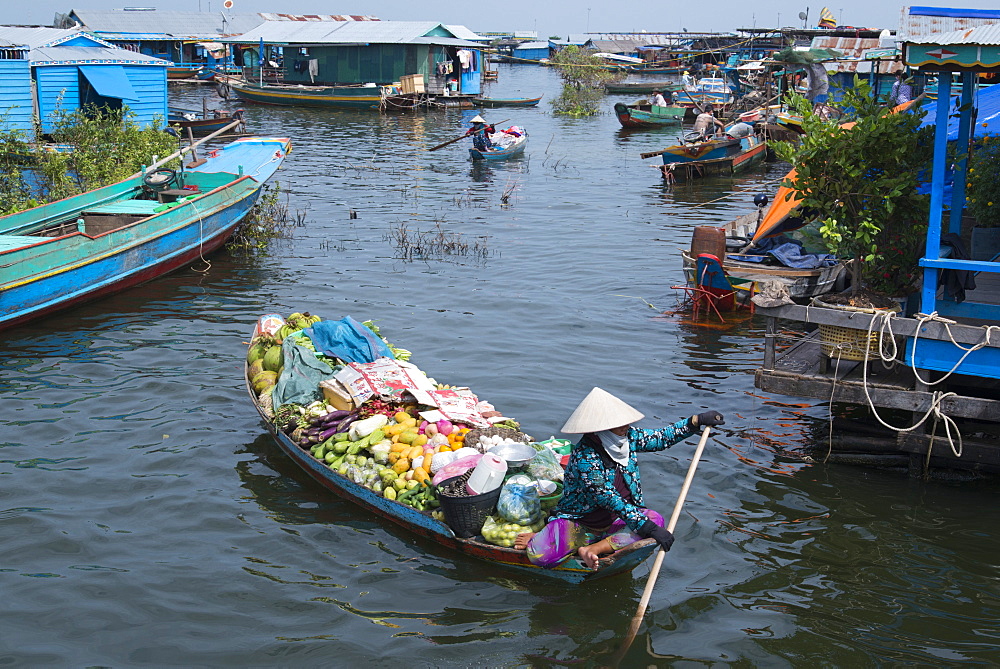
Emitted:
pixel 331 97
pixel 501 102
pixel 501 154
pixel 747 277
pixel 118 247
pixel 636 117
pixel 641 87
pixel 424 525
pixel 694 161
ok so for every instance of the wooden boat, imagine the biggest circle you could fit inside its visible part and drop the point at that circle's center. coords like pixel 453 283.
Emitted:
pixel 649 116
pixel 202 122
pixel 655 69
pixel 423 524
pixel 515 149
pixel 722 156
pixel 337 97
pixel 179 73
pixel 746 277
pixel 506 102
pixel 712 90
pixel 641 87
pixel 87 246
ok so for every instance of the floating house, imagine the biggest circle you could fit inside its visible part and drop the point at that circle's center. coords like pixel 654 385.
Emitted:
pixel 16 105
pixel 190 40
pixel 68 69
pixel 531 52
pixel 373 53
pixel 936 405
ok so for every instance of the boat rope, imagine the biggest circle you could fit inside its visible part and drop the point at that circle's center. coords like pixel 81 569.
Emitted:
pixel 201 241
pixel 933 316
pixel 887 354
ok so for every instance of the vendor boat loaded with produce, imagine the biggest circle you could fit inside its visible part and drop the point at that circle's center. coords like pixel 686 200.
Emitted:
pixel 357 416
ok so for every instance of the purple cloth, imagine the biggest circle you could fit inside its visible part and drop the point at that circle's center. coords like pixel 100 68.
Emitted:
pixel 562 537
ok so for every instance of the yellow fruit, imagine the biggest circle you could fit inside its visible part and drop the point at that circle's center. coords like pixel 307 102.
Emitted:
pixel 415 452
pixel 401 416
pixel 420 440
pixel 408 437
pixel 402 466
pixel 420 475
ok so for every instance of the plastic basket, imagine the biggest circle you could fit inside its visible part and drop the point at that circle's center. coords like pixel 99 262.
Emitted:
pixel 465 514
pixel 472 436
pixel 848 343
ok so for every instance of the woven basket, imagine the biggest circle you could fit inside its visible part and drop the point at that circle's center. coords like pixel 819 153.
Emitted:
pixel 465 514
pixel 473 435
pixel 847 343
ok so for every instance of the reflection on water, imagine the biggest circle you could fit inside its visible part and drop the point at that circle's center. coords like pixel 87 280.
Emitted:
pixel 127 441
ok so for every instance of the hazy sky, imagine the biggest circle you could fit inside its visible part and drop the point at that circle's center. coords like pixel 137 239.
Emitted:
pixel 554 17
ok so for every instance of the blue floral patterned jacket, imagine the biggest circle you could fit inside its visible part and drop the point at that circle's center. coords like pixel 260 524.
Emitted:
pixel 589 479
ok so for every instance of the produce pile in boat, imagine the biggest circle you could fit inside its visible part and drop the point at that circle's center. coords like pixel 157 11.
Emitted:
pixel 342 392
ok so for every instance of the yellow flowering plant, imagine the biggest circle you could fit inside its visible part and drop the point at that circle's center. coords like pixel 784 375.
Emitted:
pixel 982 192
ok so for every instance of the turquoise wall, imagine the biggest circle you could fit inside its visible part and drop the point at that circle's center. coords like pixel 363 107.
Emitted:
pixel 59 86
pixel 16 107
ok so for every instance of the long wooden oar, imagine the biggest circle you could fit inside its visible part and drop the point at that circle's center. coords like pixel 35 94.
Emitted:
pixel 459 139
pixel 644 601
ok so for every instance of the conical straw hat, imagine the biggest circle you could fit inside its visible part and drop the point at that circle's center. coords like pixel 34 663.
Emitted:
pixel 478 119
pixel 600 410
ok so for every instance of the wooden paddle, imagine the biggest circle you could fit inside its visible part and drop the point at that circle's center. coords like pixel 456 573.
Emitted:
pixel 644 601
pixel 459 139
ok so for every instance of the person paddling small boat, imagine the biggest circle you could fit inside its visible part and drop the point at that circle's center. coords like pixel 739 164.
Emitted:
pixel 481 132
pixel 602 509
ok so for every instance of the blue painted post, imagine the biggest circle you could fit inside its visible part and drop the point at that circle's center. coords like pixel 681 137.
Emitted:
pixel 933 249
pixel 964 133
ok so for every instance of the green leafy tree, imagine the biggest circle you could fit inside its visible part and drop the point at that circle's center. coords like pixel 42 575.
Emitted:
pixel 107 145
pixel 584 76
pixel 983 188
pixel 15 149
pixel 859 176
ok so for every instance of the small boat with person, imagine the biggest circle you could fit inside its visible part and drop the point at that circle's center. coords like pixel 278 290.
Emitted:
pixel 507 144
pixel 67 252
pixel 368 442
pixel 698 157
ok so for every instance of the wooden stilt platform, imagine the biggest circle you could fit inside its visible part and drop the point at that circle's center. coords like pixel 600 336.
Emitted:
pixel 893 389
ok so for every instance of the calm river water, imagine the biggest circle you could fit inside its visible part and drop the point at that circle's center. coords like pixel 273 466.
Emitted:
pixel 147 519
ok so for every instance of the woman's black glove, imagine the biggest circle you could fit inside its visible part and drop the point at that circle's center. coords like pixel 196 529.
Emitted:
pixel 663 536
pixel 708 419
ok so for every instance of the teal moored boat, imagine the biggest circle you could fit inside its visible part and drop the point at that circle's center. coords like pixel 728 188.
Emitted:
pixel 107 240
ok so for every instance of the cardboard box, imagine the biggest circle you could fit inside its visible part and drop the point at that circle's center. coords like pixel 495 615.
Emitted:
pixel 412 83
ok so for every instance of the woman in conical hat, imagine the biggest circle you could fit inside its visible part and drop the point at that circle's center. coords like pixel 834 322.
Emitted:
pixel 601 509
pixel 480 132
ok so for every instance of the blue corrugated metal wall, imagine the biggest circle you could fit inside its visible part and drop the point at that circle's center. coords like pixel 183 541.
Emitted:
pixel 16 107
pixel 59 87
pixel 531 54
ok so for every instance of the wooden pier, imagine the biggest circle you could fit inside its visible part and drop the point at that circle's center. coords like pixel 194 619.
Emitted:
pixel 898 393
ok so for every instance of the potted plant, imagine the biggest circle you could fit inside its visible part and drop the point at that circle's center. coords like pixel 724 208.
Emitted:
pixel 858 177
pixel 982 198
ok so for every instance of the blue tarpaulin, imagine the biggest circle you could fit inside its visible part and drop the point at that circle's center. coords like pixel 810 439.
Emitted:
pixel 109 81
pixel 348 340
pixel 787 252
pixel 987 102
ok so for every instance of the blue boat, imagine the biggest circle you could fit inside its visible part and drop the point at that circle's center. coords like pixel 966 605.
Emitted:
pixel 104 241
pixel 423 523
pixel 515 149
